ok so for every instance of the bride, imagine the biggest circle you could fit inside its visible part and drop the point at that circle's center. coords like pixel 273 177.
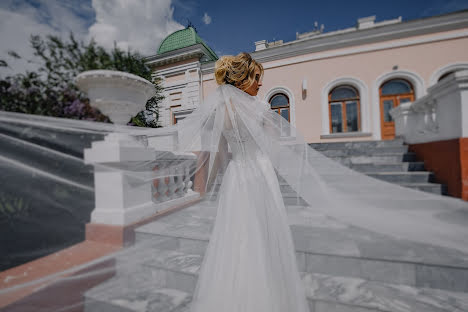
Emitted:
pixel 250 263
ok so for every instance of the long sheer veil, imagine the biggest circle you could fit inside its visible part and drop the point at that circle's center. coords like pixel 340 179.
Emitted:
pixel 328 186
pixel 42 166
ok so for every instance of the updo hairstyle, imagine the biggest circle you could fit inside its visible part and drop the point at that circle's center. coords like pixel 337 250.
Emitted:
pixel 238 70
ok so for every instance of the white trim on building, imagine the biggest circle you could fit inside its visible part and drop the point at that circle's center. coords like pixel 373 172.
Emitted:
pixel 445 69
pixel 292 102
pixel 412 77
pixel 363 98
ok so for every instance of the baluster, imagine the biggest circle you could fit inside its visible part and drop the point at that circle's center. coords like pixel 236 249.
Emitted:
pixel 171 185
pixel 188 183
pixel 180 182
pixel 163 188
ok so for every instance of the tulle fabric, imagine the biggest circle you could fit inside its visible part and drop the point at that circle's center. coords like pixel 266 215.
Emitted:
pixel 250 264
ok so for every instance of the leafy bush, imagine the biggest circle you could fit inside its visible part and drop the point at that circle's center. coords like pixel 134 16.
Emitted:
pixel 51 90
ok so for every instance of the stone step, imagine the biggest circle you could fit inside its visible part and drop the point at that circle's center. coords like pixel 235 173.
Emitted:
pixel 134 292
pixel 403 177
pixel 331 293
pixel 376 159
pixel 364 151
pixel 357 144
pixel 435 188
pixel 386 167
pixel 328 247
pixel 289 196
pixel 166 279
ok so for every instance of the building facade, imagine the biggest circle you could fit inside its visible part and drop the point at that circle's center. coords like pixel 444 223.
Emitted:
pixel 336 86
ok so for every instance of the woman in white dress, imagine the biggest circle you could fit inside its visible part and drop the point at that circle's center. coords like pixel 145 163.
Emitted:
pixel 250 264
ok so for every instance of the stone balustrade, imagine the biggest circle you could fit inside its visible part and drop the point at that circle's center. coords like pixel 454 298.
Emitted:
pixel 440 115
pixel 125 194
pixel 175 183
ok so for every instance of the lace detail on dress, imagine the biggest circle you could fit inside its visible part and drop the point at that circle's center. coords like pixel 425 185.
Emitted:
pixel 234 137
pixel 241 143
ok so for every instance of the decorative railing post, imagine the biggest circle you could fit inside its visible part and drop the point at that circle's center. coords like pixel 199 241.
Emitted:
pixel 175 181
pixel 436 129
pixel 122 197
pixel 439 115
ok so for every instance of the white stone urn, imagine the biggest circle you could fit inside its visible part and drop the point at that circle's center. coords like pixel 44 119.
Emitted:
pixel 119 95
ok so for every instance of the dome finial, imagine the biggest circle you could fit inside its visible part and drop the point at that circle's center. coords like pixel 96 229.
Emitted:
pixel 190 24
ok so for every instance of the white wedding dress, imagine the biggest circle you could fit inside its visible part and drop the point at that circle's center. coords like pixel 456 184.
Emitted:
pixel 250 264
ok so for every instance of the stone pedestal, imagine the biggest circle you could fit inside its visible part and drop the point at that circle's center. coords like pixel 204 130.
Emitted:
pixel 122 197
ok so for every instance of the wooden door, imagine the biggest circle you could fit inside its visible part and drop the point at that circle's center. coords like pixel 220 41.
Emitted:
pixel 388 102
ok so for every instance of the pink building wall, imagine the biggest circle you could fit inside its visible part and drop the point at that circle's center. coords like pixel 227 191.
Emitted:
pixel 417 58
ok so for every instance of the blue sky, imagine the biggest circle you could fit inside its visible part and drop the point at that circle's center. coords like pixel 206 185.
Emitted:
pixel 228 27
pixel 236 25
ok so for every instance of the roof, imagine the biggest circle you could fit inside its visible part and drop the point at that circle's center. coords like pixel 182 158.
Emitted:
pixel 184 38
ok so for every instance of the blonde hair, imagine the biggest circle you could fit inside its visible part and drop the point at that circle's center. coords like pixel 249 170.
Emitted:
pixel 238 70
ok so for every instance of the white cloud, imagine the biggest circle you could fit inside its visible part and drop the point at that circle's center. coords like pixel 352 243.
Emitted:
pixel 206 19
pixel 20 20
pixel 17 39
pixel 140 25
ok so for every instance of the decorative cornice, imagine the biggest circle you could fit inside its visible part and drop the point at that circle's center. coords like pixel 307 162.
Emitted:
pixel 365 36
pixel 327 42
pixel 208 68
pixel 177 70
pixel 197 50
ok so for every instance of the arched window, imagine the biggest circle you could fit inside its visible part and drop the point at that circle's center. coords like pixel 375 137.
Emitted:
pixel 280 103
pixel 448 73
pixel 396 87
pixel 344 109
pixel 393 93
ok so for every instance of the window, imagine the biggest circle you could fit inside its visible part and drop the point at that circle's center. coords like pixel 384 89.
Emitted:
pixel 448 73
pixel 280 103
pixel 396 87
pixel 393 93
pixel 344 109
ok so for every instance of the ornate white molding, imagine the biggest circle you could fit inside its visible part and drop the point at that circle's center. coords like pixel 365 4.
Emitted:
pixel 445 69
pixel 364 101
pixel 292 101
pixel 194 51
pixel 439 115
pixel 296 54
pixel 412 77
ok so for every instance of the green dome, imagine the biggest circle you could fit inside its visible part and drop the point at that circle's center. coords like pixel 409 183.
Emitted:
pixel 184 38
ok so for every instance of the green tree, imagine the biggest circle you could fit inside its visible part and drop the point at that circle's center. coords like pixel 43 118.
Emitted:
pixel 51 91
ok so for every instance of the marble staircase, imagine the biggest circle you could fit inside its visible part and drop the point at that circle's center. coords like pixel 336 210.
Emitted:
pixel 343 268
pixel 385 160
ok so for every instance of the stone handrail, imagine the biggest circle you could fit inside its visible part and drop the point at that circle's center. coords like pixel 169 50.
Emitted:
pixel 442 114
pixel 120 196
